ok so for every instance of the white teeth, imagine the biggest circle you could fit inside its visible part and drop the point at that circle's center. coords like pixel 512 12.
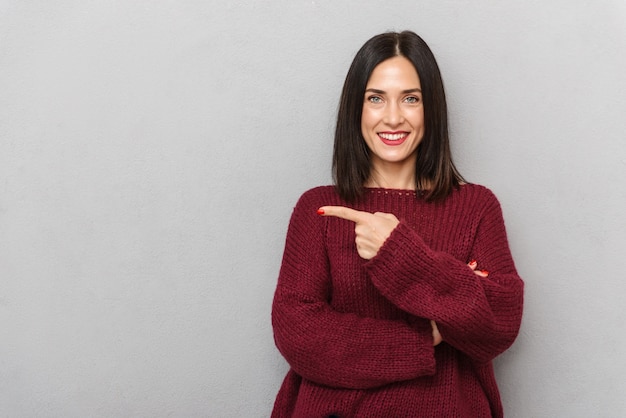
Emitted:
pixel 392 137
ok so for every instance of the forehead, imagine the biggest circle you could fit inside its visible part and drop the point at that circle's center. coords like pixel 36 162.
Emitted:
pixel 396 70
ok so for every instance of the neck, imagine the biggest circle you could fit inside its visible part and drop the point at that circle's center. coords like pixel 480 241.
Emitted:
pixel 392 176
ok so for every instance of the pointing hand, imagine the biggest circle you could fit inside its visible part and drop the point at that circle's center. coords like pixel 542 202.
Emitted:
pixel 371 229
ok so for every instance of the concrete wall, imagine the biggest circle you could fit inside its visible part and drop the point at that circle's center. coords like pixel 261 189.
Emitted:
pixel 151 153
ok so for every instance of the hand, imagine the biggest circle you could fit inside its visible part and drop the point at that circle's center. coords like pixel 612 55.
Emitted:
pixel 437 339
pixel 371 229
pixel 482 273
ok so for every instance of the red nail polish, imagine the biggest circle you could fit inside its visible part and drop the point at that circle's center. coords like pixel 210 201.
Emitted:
pixel 320 211
pixel 485 272
pixel 472 262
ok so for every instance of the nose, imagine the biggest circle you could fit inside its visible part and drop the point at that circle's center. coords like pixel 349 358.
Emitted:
pixel 393 114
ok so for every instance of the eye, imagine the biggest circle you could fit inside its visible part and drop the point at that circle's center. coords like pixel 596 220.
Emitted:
pixel 412 100
pixel 375 99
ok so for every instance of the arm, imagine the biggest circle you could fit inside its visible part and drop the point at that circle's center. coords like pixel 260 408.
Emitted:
pixel 330 347
pixel 479 316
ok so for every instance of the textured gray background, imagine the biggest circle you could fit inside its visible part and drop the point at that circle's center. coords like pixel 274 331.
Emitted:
pixel 151 153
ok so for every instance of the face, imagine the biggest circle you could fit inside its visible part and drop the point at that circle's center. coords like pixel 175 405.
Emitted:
pixel 393 115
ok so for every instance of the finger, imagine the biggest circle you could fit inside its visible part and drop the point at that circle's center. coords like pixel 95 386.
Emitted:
pixel 343 213
pixel 472 264
pixel 482 273
pixel 436 334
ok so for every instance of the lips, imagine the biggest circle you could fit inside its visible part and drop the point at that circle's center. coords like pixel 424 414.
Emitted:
pixel 393 138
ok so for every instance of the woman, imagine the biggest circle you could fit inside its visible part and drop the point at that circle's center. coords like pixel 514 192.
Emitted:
pixel 397 286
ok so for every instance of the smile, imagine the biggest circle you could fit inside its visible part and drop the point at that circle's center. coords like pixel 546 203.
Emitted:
pixel 393 138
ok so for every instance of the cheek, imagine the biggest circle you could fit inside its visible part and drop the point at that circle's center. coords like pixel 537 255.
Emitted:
pixel 368 119
pixel 417 114
pixel 417 119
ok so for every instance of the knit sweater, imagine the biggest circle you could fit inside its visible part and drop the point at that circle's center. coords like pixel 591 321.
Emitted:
pixel 357 332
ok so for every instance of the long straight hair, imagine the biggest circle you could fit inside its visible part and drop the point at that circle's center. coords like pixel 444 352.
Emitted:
pixel 435 173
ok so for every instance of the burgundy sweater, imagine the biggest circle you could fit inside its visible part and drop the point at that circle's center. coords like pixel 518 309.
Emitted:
pixel 357 332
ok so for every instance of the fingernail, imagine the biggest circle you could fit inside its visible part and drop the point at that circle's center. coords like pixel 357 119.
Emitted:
pixel 473 262
pixel 320 211
pixel 485 272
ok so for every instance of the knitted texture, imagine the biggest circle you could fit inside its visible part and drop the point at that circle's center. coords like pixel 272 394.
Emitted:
pixel 357 332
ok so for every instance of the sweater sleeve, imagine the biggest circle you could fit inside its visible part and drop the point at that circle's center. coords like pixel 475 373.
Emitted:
pixel 335 348
pixel 479 316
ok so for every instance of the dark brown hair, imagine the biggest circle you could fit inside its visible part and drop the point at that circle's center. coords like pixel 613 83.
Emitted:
pixel 435 172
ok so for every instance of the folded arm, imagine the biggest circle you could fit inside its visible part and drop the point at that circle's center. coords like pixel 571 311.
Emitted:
pixel 335 348
pixel 478 315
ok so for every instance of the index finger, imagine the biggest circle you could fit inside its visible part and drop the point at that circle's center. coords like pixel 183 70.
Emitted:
pixel 343 213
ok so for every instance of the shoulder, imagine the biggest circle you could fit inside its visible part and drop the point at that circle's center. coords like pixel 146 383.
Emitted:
pixel 481 201
pixel 477 196
pixel 305 225
pixel 318 196
pixel 306 206
pixel 476 192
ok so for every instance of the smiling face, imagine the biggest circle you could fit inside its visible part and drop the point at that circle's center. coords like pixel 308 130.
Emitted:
pixel 392 122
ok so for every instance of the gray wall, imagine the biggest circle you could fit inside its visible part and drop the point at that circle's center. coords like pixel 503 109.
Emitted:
pixel 151 153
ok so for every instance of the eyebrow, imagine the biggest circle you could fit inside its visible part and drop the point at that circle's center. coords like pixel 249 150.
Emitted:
pixel 415 90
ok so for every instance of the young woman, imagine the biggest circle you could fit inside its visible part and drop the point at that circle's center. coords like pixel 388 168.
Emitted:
pixel 397 286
